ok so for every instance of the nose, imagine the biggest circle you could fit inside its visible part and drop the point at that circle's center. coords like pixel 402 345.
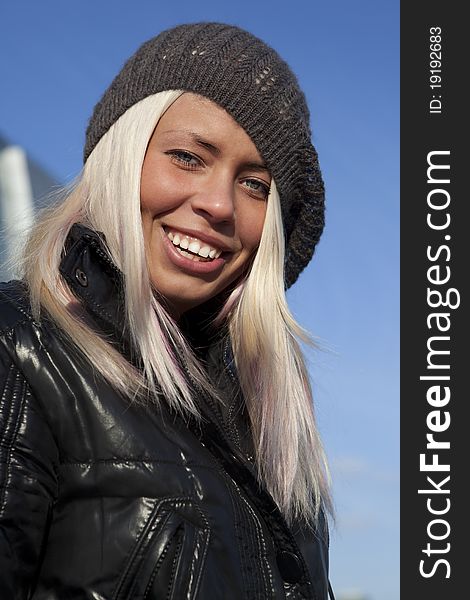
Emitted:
pixel 216 201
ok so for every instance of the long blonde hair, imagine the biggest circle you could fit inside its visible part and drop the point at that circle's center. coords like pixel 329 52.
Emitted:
pixel 272 373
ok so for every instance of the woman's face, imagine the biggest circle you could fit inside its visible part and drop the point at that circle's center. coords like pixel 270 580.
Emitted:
pixel 204 190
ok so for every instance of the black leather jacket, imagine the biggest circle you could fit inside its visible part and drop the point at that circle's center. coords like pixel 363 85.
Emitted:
pixel 103 499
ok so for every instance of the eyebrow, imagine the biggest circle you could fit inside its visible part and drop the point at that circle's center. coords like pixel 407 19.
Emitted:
pixel 214 150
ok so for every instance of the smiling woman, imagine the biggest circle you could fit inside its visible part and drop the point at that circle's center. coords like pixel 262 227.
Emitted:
pixel 202 192
pixel 157 423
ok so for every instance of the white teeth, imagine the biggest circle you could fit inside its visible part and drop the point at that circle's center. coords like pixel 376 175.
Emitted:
pixel 193 257
pixel 204 251
pixel 194 247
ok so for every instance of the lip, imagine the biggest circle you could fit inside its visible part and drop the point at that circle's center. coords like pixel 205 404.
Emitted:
pixel 204 237
pixel 186 264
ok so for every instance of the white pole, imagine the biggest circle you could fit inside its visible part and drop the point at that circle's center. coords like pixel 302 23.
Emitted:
pixel 16 203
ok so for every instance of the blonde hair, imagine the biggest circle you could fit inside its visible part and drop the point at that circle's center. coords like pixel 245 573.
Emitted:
pixel 271 369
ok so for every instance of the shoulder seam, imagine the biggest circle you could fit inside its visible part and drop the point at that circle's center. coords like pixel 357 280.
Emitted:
pixel 10 440
pixel 9 330
pixel 23 315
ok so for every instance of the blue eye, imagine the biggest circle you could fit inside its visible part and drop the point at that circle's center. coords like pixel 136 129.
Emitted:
pixel 184 158
pixel 257 187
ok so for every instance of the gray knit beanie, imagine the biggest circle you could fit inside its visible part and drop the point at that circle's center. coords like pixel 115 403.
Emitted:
pixel 257 88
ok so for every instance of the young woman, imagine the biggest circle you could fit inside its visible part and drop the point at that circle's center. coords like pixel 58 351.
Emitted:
pixel 156 419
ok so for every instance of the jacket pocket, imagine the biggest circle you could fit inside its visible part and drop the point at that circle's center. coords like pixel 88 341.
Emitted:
pixel 168 558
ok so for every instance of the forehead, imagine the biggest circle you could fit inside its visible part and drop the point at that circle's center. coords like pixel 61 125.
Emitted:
pixel 193 115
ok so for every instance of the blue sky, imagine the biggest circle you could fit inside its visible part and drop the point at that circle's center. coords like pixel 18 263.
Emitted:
pixel 56 59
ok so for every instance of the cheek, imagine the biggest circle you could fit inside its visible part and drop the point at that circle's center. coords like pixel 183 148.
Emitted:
pixel 251 227
pixel 160 190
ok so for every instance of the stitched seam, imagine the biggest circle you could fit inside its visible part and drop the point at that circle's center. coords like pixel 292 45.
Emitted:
pixel 111 462
pixel 160 559
pixel 41 348
pixel 261 542
pixel 138 543
pixel 202 536
pixel 5 410
pixel 199 532
pixel 16 306
pixel 227 362
pixel 8 331
pixel 258 542
pixel 239 538
pixel 176 558
pixel 157 568
pixel 228 366
pixel 205 534
pixel 170 504
pixel 10 443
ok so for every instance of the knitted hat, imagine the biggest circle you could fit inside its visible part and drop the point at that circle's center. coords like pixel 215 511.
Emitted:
pixel 257 88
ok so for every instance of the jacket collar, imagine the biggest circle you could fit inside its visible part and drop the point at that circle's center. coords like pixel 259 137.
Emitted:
pixel 97 282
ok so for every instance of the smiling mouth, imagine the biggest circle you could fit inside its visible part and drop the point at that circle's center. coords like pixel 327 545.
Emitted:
pixel 191 247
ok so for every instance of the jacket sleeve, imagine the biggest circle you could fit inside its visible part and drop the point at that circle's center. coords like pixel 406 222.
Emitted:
pixel 28 482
